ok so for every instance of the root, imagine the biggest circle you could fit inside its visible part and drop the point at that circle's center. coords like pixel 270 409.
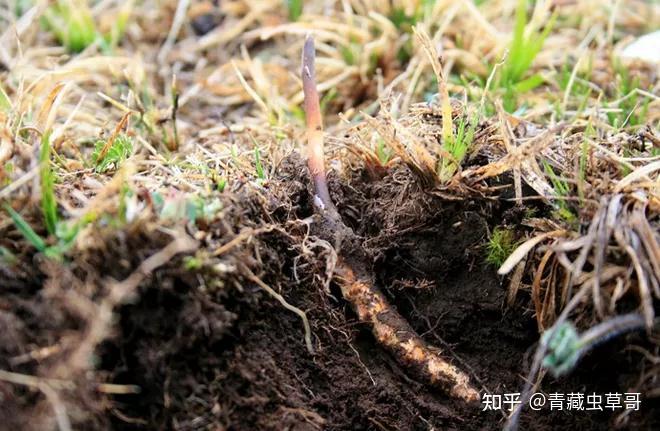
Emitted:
pixel 391 330
pixel 285 304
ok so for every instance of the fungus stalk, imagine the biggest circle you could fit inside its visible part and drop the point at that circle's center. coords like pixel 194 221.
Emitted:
pixel 353 270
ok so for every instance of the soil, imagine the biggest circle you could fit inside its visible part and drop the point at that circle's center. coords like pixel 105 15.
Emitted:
pixel 217 352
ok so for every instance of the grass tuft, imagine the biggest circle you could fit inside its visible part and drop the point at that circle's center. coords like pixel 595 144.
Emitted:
pixel 119 150
pixel 74 27
pixel 457 146
pixel 72 24
pixel 525 45
pixel 562 190
pixel 501 244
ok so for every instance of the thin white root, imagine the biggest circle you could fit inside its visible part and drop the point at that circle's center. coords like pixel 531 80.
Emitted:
pixel 285 304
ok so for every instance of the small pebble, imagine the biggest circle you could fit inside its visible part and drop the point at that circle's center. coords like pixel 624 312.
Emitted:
pixel 645 48
pixel 203 24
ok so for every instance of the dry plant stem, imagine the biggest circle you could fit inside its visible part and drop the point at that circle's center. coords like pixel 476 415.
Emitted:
pixel 355 276
pixel 443 92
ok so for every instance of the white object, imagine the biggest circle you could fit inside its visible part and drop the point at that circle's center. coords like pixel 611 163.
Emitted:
pixel 645 48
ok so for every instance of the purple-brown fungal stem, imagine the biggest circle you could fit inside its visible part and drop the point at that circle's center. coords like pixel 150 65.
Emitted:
pixel 315 160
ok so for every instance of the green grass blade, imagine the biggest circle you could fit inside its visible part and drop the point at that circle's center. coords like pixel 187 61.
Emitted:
pixel 48 201
pixel 529 84
pixel 257 164
pixel 117 31
pixel 513 67
pixel 25 229
pixel 5 102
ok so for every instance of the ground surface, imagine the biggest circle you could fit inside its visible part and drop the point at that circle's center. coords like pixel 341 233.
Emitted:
pixel 252 369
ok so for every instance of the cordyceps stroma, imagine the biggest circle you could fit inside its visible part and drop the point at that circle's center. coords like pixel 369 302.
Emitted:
pixel 353 272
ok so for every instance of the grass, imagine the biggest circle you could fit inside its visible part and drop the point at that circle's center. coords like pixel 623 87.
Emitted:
pixel 631 108
pixel 457 146
pixel 48 200
pixel 72 23
pixel 409 14
pixel 261 174
pixel 25 229
pixel 187 208
pixel 64 235
pixel 562 190
pixel 526 43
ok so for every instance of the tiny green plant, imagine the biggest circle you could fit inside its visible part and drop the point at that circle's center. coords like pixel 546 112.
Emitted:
pixel 575 86
pixel 457 146
pixel 383 152
pixel 350 53
pixel 295 8
pixel 186 207
pixel 632 108
pixel 456 139
pixel 525 45
pixel 117 30
pixel 562 190
pixel 221 184
pixel 258 166
pixel 500 246
pixel 116 153
pixel 580 85
pixel 21 6
pixel 565 346
pixel 47 177
pixel 328 98
pixel 65 233
pixel 405 20
pixel 192 263
pixel 7 257
pixel 261 175
pixel 72 23
pixel 402 20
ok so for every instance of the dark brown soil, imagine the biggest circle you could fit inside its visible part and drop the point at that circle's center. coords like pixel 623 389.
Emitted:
pixel 216 352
